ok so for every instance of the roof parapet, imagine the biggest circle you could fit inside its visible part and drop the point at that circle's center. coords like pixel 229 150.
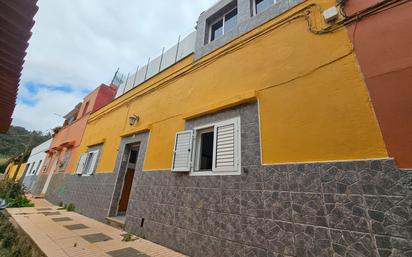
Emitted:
pixel 182 49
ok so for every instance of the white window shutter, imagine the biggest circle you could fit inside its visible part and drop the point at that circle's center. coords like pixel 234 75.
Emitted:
pixel 227 146
pixel 82 162
pixel 93 162
pixel 183 151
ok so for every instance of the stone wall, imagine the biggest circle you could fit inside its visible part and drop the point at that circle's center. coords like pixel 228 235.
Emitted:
pixel 38 184
pixel 358 208
pixel 91 195
pixel 29 182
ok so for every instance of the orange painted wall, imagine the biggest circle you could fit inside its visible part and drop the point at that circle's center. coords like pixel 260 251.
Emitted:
pixel 74 132
pixel 383 45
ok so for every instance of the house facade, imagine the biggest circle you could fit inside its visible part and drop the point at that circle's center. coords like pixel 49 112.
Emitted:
pixel 34 163
pixel 264 141
pixel 66 139
pixel 13 171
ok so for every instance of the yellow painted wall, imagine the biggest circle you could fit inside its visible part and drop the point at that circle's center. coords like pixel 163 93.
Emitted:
pixel 11 170
pixel 314 105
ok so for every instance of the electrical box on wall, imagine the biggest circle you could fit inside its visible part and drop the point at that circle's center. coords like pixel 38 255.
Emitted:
pixel 330 14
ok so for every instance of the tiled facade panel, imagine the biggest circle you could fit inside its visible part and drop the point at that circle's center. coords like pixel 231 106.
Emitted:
pixel 331 209
pixel 90 195
pixel 351 208
pixel 29 182
pixel 38 184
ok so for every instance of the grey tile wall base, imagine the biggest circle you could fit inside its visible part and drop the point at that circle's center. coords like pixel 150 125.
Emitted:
pixel 38 184
pixel 359 208
pixel 90 195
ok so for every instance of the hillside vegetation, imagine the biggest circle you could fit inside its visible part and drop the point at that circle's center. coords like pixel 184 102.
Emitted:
pixel 16 141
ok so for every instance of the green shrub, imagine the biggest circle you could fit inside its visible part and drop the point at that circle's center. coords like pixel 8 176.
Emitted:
pixel 70 207
pixel 20 202
pixel 61 204
pixel 14 193
pixel 13 244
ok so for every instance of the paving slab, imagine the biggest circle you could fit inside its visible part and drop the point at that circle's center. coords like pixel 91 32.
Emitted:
pixel 127 252
pixel 88 237
pixel 76 226
pixel 61 219
pixel 98 237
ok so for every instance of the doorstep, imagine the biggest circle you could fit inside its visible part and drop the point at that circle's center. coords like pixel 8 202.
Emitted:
pixel 116 222
pixel 88 237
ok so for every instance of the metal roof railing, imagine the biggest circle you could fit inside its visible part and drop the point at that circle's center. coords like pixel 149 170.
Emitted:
pixel 182 49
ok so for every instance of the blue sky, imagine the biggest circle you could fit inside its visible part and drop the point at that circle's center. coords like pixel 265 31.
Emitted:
pixel 77 45
pixel 34 88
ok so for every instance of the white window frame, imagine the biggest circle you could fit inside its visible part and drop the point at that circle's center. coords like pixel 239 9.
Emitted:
pixel 216 171
pixel 32 170
pixel 197 132
pixel 254 7
pixel 188 168
pixel 78 171
pixel 90 170
pixel 223 19
pixel 38 168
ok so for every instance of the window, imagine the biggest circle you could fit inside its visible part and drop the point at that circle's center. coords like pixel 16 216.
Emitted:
pixel 85 109
pixel 38 167
pixel 204 149
pixel 46 164
pixel 64 160
pixel 32 170
pixel 261 5
pixel 224 24
pixel 26 169
pixel 87 163
pixel 216 149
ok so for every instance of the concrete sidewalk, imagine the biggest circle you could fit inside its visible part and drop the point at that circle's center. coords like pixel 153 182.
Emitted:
pixel 59 233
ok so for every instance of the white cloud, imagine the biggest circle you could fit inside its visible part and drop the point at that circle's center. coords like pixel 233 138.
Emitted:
pixel 82 43
pixel 42 115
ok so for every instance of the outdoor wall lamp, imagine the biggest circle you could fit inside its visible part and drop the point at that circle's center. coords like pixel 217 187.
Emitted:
pixel 133 119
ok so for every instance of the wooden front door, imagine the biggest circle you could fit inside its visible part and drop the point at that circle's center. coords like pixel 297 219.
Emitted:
pixel 127 188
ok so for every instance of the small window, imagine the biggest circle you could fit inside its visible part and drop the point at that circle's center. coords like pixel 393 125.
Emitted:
pixel 85 109
pixel 217 30
pixel 223 25
pixel 38 167
pixel 64 161
pixel 205 150
pixel 261 5
pixel 26 169
pixel 216 149
pixel 46 164
pixel 32 170
pixel 87 163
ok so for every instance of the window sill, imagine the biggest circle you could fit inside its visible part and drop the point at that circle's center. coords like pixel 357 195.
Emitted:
pixel 216 173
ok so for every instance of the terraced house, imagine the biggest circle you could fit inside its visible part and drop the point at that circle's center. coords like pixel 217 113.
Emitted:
pixel 261 134
pixel 66 139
